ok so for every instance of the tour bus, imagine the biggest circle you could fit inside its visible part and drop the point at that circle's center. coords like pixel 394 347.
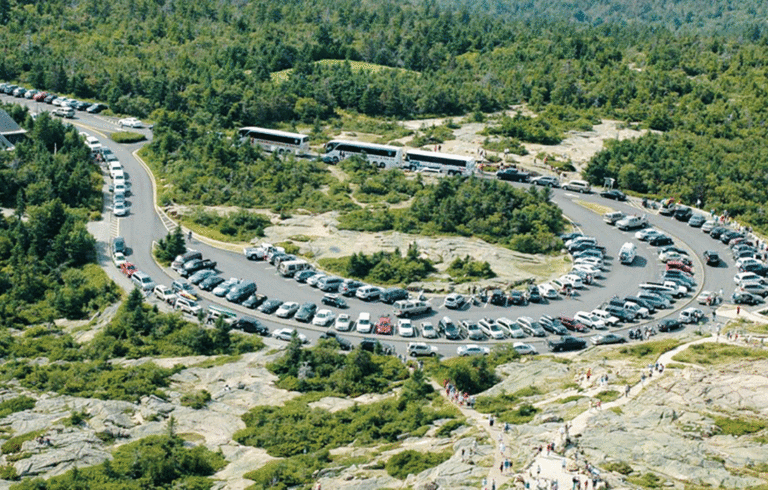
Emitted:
pixel 276 141
pixel 382 156
pixel 443 162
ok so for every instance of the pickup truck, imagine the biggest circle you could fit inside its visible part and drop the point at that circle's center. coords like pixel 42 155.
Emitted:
pixel 566 343
pixel 513 175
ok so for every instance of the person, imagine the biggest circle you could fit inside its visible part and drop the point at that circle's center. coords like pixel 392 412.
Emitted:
pixel 189 235
pixel 738 309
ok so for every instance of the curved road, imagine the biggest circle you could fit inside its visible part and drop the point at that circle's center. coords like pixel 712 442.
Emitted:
pixel 142 226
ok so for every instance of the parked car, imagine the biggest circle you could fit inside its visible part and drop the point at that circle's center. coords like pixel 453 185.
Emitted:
pixel 287 334
pixel 368 293
pixel 472 350
pixel 696 221
pixel 614 194
pixel 270 306
pixel 287 309
pixel 473 330
pixel 343 323
pixel 305 313
pixel 607 338
pixel 302 276
pixel 547 291
pixel 546 180
pixel 405 328
pixel 517 298
pixel 250 325
pixel 524 349
pixel 118 259
pixel 164 294
pixel 390 295
pixel 323 318
pixel 683 213
pixel 195 265
pixel 373 345
pixel 211 282
pixel 130 122
pixel 421 349
pixel 128 269
pixel 428 330
pixel 566 343
pixel 187 305
pixel 363 323
pixel 711 257
pixel 350 287
pixel 254 301
pixel 513 175
pixel 668 324
pixel 552 325
pixel 222 289
pixel 332 299
pixel 384 325
pixel 571 324
pixel 344 344
pixel 201 275
pixel 744 298
pixel 690 315
pixel 449 329
pixel 455 301
pixel 659 240
pixel 532 294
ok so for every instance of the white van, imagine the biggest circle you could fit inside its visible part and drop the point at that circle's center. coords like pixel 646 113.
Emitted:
pixel 606 317
pixel 363 324
pixel 291 267
pixel 410 308
pixel 114 167
pixel 578 186
pixel 612 217
pixel 627 253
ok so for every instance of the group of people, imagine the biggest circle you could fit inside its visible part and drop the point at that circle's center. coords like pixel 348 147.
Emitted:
pixel 460 398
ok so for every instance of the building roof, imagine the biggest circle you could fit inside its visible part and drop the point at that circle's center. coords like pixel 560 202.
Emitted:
pixel 8 126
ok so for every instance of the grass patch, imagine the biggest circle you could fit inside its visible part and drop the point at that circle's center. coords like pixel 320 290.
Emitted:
pixel 739 427
pixel 617 410
pixel 196 400
pixel 618 467
pixel 643 353
pixel 127 137
pixel 447 428
pixel 192 437
pixel 714 354
pixel 300 238
pixel 236 227
pixel 646 480
pixel 569 399
pixel 217 361
pixel 13 445
pixel 356 66
pixel 595 207
pixel 18 404
pixel 608 396
pixel 412 462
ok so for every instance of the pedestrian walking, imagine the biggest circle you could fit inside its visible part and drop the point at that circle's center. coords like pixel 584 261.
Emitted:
pixel 738 309
pixel 562 464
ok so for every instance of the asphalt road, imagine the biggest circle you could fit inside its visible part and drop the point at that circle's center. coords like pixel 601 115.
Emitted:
pixel 142 226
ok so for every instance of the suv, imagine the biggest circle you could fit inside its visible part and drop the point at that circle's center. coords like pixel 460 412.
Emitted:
pixel 473 330
pixel 143 281
pixel 530 326
pixel 368 293
pixel 250 325
pixel 712 258
pixel 373 345
pixel 187 305
pixel 578 186
pixel 305 313
pixel 118 245
pixel 390 295
pixel 449 329
pixel 417 349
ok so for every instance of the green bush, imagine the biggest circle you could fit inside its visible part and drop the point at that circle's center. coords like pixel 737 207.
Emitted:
pixel 469 374
pixel 169 247
pixel 608 396
pixel 8 472
pixel 410 462
pixel 18 404
pixel 288 473
pixel 740 426
pixel 382 267
pixel 447 428
pixel 239 226
pixel 467 269
pixel 618 467
pixel 13 445
pixel 127 137
pixel 196 400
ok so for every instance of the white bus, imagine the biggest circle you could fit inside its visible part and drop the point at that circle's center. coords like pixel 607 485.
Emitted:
pixel 275 141
pixel 383 156
pixel 443 162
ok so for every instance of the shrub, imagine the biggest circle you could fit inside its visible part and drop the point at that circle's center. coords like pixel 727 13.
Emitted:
pixel 127 137
pixel 169 247
pixel 288 473
pixel 618 467
pixel 18 404
pixel 739 427
pixel 382 267
pixel 467 269
pixel 608 396
pixel 412 462
pixel 447 428
pixel 13 445
pixel 196 400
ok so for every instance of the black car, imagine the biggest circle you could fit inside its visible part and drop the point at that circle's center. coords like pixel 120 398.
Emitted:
pixel 270 306
pixel 744 298
pixel 254 301
pixel 302 276
pixel 498 298
pixel 96 108
pixel 717 232
pixel 565 343
pixel 306 312
pixel 668 324
pixel 517 298
pixel 197 265
pixel 569 236
pixel 334 300
pixel 118 245
pixel 660 240
pixel 683 213
pixel 373 345
pixel 729 235
pixel 619 312
pixel 513 175
pixel 210 283
pixel 534 296
pixel 614 194
pixel 250 325
pixel 758 269
pixel 390 295
pixel 344 344
pixel 712 257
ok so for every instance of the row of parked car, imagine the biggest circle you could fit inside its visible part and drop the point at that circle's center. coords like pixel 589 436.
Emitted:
pixel 51 98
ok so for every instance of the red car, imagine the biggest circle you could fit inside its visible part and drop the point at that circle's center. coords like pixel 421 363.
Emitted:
pixel 38 97
pixel 572 324
pixel 384 326
pixel 128 269
pixel 676 264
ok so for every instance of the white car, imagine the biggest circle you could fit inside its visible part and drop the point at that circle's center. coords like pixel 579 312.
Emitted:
pixel 472 350
pixel 368 293
pixel 286 334
pixel 748 260
pixel 574 280
pixel 455 301
pixel 287 309
pixel 119 209
pixel 416 349
pixel 164 294
pixel 312 281
pixel 492 329
pixel 524 349
pixel 595 272
pixel 323 318
pixel 428 330
pixel 405 328
pixel 748 277
pixel 119 259
pixel 222 289
pixel 343 323
pixel 590 320
pixel 670 255
pixel 591 261
pixel 707 298
pixel 547 291
pixel 646 234
pixel 363 324
pixel 130 122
